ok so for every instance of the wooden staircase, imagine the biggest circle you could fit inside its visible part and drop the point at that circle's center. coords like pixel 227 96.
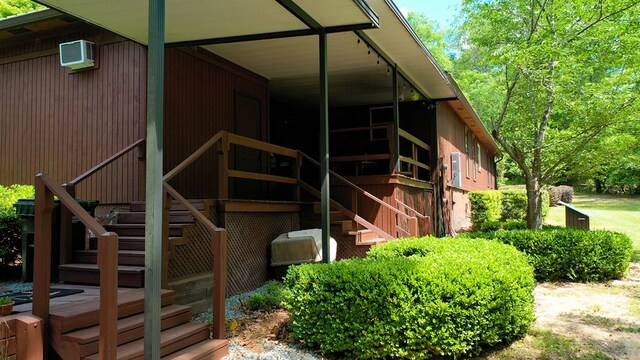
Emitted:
pixel 349 227
pixel 131 235
pixel 74 330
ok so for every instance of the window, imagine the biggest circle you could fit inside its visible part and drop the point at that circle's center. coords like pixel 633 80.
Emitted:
pixel 466 149
pixel 479 156
pixel 475 156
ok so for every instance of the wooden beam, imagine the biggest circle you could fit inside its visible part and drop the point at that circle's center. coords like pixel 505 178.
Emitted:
pixel 258 206
pixel 409 160
pixel 261 145
pixel 413 139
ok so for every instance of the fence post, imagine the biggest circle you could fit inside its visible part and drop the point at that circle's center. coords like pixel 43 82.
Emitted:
pixel 108 265
pixel 412 225
pixel 66 228
pixel 219 249
pixel 166 206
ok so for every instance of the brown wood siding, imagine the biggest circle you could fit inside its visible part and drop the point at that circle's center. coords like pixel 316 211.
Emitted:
pixel 200 94
pixel 62 124
pixel 451 139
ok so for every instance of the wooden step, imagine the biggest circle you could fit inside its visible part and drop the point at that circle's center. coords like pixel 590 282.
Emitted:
pixel 210 349
pixel 124 243
pixel 181 216
pixel 128 276
pixel 81 314
pixel 125 257
pixel 171 340
pixel 139 206
pixel 85 342
pixel 365 236
pixel 139 229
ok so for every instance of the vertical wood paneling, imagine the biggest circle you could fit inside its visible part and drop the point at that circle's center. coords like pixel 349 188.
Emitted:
pixel 63 124
pixel 199 92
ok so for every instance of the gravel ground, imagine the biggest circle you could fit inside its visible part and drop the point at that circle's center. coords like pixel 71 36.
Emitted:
pixel 11 287
pixel 270 350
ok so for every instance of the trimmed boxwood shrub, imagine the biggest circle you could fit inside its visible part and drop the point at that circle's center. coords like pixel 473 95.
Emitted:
pixel 559 254
pixel 502 209
pixel 486 206
pixel 413 298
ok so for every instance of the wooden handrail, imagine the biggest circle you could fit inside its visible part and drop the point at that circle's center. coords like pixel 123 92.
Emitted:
pixel 219 250
pixel 356 187
pixel 193 157
pixel 404 134
pixel 261 145
pixel 409 160
pixel 107 262
pixel 104 163
pixel 414 211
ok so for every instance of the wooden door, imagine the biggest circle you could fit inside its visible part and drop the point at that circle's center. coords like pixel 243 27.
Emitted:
pixel 248 123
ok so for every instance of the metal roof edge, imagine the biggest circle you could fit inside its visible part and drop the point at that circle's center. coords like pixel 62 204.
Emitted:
pixel 28 18
pixel 463 99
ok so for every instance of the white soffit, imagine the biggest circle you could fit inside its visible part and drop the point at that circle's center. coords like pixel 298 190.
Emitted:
pixel 188 20
pixel 400 44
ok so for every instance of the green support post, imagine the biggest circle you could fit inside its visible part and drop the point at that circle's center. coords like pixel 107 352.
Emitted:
pixel 325 197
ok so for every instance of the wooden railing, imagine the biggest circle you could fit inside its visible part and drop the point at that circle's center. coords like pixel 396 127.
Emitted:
pixel 218 248
pixel 406 225
pixel 426 220
pixel 413 159
pixel 65 216
pixel 107 261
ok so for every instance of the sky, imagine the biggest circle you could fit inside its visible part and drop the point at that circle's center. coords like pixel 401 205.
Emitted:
pixel 441 11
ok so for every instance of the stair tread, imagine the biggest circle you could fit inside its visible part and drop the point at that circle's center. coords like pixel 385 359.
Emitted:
pixel 121 252
pixel 138 226
pixel 202 350
pixel 84 313
pixel 90 334
pixel 169 339
pixel 94 267
pixel 361 231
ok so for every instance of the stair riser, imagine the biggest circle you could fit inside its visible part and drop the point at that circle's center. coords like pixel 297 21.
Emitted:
pixel 81 276
pixel 123 244
pixel 140 206
pixel 139 218
pixel 123 259
pixel 134 334
pixel 135 230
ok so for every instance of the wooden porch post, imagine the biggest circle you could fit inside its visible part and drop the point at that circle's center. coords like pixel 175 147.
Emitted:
pixel 396 122
pixel 325 196
pixel 154 174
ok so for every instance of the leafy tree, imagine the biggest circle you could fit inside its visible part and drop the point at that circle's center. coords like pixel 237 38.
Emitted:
pixel 552 79
pixel 433 38
pixel 15 7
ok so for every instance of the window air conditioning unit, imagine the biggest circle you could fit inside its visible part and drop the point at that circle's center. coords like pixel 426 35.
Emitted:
pixel 77 54
pixel 456 169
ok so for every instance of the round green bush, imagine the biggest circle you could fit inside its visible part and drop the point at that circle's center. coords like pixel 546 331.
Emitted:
pixel 413 298
pixel 559 254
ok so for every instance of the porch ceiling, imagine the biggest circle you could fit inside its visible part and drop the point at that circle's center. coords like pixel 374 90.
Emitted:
pixel 189 20
pixel 291 63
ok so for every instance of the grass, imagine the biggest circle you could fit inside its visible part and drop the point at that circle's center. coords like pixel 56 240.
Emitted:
pixel 615 213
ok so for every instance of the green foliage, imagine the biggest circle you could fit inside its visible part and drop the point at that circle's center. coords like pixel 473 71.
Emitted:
pixel 9 195
pixel 10 230
pixel 501 209
pixel 559 254
pixel 413 298
pixel 5 300
pixel 485 206
pixel 432 37
pixel 15 7
pixel 272 298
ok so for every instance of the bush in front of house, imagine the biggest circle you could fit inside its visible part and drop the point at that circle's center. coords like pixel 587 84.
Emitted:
pixel 502 209
pixel 560 254
pixel 413 298
pixel 10 229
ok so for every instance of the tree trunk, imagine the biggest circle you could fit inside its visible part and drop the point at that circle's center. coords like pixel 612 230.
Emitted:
pixel 534 203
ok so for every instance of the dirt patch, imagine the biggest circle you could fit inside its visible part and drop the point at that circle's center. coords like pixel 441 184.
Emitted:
pixel 600 316
pixel 252 331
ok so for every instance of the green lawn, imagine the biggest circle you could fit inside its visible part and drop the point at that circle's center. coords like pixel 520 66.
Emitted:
pixel 616 213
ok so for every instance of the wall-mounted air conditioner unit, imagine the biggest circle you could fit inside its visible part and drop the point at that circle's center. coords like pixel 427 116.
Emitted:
pixel 456 169
pixel 77 54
